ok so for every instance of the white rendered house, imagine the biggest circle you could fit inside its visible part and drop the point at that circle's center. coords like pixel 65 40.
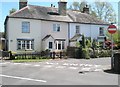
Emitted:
pixel 37 28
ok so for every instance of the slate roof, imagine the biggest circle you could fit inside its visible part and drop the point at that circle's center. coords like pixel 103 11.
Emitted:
pixel 40 12
pixel 75 37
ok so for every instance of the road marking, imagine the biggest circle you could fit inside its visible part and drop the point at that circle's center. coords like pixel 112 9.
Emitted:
pixel 16 63
pixel 23 78
pixel 36 65
pixel 73 68
pixel 65 64
pixel 85 69
pixel 27 64
pixel 49 63
pixel 60 67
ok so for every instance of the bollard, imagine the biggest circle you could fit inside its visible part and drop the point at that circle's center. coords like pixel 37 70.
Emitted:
pixel 60 55
pixel 117 62
pixel 50 54
pixel 53 55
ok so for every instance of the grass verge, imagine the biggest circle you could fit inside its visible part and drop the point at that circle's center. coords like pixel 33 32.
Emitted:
pixel 29 60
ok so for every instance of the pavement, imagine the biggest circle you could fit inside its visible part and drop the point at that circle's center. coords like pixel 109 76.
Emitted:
pixel 58 72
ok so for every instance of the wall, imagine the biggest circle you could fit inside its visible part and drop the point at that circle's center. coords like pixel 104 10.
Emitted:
pixel 14 31
pixel 47 29
pixel 89 30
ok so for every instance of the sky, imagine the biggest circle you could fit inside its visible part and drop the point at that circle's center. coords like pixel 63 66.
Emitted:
pixel 6 5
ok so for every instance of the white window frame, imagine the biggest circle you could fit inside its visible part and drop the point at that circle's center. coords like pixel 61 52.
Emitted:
pixel 49 45
pixel 101 31
pixel 77 27
pixel 61 43
pixel 56 28
pixel 23 44
pixel 25 27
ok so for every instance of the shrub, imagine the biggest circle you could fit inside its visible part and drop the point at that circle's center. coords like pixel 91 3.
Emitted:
pixel 78 53
pixel 85 53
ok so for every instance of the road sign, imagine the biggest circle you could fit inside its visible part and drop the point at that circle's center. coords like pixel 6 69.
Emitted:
pixel 112 29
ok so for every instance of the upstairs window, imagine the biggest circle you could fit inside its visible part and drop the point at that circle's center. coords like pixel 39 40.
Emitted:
pixel 77 29
pixel 25 27
pixel 101 31
pixel 56 27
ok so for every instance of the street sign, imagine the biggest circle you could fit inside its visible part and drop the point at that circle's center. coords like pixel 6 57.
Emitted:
pixel 112 29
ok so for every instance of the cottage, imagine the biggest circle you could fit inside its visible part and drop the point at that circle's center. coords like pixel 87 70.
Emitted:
pixel 37 28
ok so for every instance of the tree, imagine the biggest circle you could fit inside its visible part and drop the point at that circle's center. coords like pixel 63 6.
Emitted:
pixel 82 5
pixel 78 6
pixel 104 11
pixel 12 10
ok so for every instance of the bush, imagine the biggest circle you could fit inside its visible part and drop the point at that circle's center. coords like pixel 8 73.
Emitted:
pixel 105 53
pixel 85 53
pixel 78 53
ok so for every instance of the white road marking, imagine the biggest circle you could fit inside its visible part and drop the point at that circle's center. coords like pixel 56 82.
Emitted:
pixel 60 67
pixel 65 64
pixel 97 65
pixel 73 68
pixel 22 78
pixel 85 69
pixel 27 64
pixel 16 63
pixel 36 65
pixel 49 63
pixel 97 70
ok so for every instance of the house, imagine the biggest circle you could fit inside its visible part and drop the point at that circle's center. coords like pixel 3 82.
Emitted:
pixel 37 28
pixel 2 41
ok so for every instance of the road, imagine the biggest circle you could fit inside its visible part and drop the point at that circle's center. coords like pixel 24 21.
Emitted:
pixel 58 72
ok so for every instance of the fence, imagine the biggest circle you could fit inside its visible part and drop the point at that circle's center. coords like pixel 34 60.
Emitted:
pixel 40 55
pixel 4 54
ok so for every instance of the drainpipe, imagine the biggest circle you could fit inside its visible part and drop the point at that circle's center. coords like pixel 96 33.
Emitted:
pixel 68 34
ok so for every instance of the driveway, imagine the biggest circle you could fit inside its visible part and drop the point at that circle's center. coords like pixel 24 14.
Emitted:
pixel 58 72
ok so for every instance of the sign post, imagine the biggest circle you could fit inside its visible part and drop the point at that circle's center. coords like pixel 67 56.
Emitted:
pixel 112 29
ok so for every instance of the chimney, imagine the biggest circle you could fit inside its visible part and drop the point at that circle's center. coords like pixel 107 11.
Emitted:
pixel 86 9
pixel 22 4
pixel 62 7
pixel 51 5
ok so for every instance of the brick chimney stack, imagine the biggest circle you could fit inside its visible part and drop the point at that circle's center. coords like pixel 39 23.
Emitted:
pixel 62 7
pixel 22 4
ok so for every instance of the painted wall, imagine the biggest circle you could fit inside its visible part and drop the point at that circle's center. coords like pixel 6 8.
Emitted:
pixel 87 29
pixel 47 29
pixel 14 31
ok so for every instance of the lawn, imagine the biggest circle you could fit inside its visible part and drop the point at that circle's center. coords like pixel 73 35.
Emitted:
pixel 29 60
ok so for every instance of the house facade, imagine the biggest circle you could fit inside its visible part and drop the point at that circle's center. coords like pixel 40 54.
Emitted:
pixel 37 28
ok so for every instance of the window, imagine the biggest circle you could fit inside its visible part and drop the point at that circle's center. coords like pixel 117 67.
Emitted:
pixel 25 27
pixel 77 29
pixel 60 45
pixel 63 44
pixel 50 45
pixel 101 31
pixel 56 27
pixel 25 44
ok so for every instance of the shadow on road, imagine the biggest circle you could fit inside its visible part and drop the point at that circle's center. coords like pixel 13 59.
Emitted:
pixel 111 71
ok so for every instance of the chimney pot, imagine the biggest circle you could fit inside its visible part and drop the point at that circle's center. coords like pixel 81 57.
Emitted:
pixel 86 9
